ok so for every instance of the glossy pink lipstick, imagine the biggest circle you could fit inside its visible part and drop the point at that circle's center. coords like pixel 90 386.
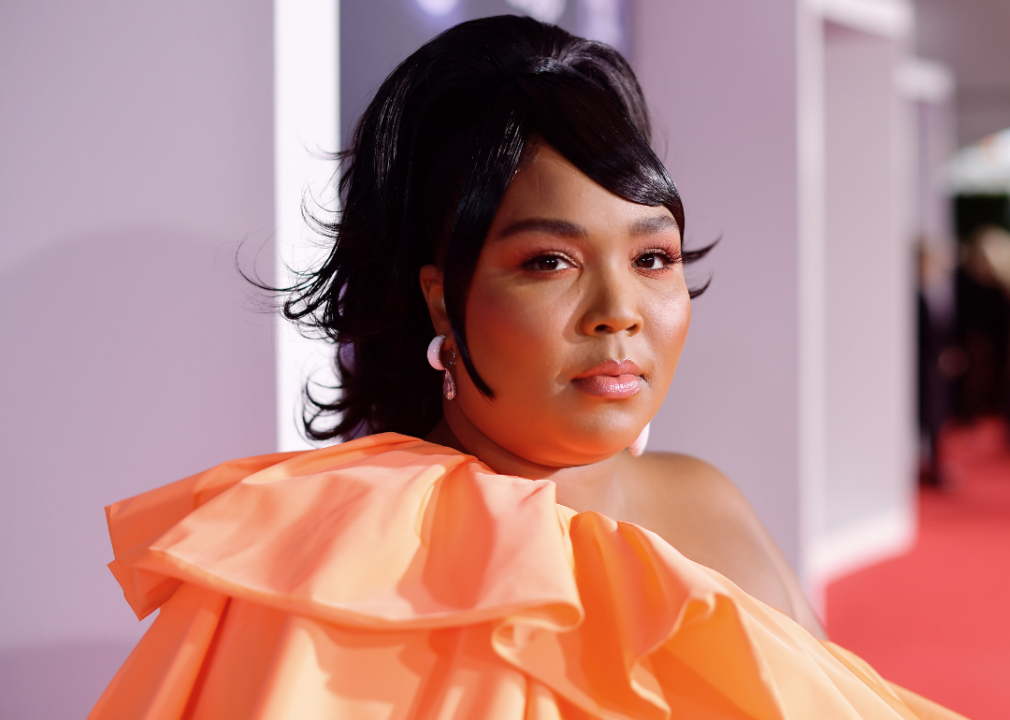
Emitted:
pixel 611 379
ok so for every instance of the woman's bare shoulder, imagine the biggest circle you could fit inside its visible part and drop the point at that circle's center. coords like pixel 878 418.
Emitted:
pixel 701 512
pixel 698 510
pixel 688 480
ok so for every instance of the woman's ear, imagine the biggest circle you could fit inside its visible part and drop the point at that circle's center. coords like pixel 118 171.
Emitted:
pixel 434 296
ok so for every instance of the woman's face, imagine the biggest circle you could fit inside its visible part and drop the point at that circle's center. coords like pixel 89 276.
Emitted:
pixel 576 317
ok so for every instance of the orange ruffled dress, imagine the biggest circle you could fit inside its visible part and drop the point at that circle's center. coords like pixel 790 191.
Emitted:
pixel 392 578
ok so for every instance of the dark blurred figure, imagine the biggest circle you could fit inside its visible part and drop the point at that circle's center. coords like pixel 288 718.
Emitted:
pixel 939 358
pixel 982 286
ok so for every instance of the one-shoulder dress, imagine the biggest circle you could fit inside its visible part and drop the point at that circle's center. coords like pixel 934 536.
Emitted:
pixel 390 578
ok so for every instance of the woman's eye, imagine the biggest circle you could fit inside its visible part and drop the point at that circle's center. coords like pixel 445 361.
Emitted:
pixel 549 263
pixel 651 261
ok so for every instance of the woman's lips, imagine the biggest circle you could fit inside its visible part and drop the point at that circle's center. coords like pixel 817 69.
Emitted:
pixel 610 386
pixel 610 379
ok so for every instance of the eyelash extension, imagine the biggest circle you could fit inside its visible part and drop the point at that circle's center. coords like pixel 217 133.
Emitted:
pixel 674 258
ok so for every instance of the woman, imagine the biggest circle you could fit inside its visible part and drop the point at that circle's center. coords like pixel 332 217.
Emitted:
pixel 486 547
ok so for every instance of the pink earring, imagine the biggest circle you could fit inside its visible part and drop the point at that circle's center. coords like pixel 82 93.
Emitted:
pixel 638 447
pixel 435 360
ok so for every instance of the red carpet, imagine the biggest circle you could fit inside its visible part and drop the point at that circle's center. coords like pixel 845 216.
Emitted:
pixel 937 620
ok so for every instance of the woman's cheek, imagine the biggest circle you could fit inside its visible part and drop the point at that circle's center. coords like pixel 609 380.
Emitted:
pixel 514 334
pixel 670 321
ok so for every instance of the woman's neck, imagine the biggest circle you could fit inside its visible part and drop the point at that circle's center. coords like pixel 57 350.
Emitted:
pixel 582 488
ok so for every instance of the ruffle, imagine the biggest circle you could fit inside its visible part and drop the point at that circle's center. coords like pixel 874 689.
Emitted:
pixel 391 578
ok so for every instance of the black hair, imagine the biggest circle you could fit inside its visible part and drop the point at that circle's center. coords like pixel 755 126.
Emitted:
pixel 423 175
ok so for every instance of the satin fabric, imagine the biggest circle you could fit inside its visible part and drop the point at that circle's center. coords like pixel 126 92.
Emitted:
pixel 392 578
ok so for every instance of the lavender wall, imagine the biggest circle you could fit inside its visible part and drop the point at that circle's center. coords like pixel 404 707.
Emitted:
pixel 720 78
pixel 970 36
pixel 135 155
pixel 869 288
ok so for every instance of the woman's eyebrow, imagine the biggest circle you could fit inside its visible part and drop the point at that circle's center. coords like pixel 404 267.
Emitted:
pixel 652 225
pixel 544 225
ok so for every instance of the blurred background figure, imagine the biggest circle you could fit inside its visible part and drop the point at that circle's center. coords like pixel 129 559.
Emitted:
pixel 979 181
pixel 940 361
pixel 983 325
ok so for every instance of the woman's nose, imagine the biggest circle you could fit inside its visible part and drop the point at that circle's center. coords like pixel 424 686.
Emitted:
pixel 612 308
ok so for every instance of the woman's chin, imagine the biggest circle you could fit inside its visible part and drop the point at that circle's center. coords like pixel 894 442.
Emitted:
pixel 575 449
